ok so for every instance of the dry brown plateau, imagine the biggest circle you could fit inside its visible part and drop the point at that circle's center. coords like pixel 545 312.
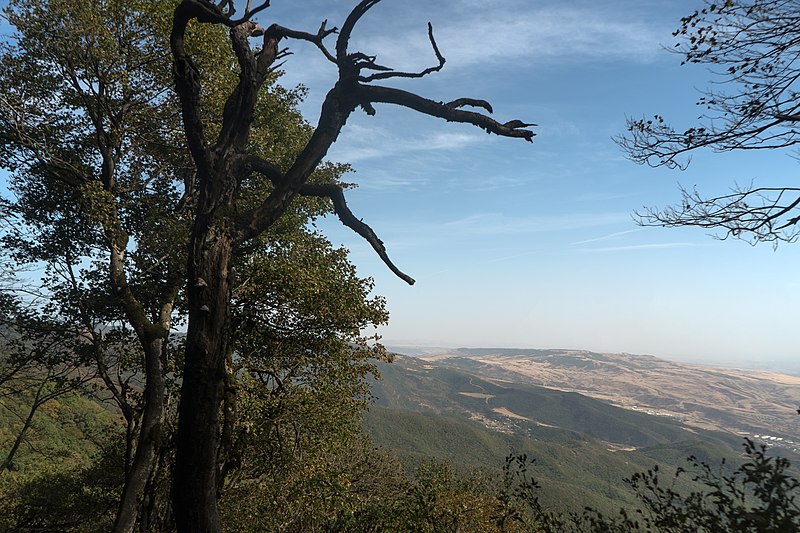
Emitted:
pixel 742 402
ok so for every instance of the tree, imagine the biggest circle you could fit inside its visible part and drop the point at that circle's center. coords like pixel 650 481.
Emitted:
pixel 751 46
pixel 86 130
pixel 220 229
pixel 89 127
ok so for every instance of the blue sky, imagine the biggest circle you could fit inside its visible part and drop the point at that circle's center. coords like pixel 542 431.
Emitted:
pixel 533 245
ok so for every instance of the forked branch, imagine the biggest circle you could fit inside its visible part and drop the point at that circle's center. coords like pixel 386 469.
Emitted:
pixel 314 38
pixel 350 92
pixel 395 74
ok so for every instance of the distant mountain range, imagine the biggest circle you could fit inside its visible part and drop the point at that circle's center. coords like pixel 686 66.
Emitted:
pixel 590 419
pixel 741 402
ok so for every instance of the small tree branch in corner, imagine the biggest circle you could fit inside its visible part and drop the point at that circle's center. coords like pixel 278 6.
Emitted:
pixel 751 214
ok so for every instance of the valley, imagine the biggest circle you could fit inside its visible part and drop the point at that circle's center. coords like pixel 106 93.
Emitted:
pixel 757 404
pixel 473 412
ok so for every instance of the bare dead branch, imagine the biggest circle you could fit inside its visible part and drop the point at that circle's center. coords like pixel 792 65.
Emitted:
pixel 265 168
pixel 347 29
pixel 336 195
pixel 187 84
pixel 429 70
pixel 254 70
pixel 388 95
pixel 316 39
pixel 360 60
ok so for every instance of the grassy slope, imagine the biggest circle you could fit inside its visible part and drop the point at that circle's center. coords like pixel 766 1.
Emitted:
pixel 417 386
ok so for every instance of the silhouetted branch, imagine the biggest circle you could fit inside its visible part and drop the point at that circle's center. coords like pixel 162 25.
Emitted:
pixel 347 29
pixel 394 74
pixel 472 102
pixel 752 48
pixel 389 95
pixel 752 214
pixel 336 195
pixel 656 143
pixel 316 39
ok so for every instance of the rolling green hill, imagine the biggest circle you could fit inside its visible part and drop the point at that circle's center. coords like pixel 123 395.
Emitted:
pixel 584 448
pixel 528 410
pixel 573 473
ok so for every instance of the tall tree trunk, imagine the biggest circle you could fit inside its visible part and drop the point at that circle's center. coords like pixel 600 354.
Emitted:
pixel 220 168
pixel 153 338
pixel 149 439
pixel 195 481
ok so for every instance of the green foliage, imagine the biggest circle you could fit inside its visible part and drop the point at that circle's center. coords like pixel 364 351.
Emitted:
pixel 411 385
pixel 299 369
pixel 326 490
pixel 577 467
pixel 70 465
pixel 573 473
pixel 759 496
pixel 67 431
pixel 90 132
pixel 59 498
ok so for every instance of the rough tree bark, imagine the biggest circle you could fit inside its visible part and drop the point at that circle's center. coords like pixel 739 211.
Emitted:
pixel 217 230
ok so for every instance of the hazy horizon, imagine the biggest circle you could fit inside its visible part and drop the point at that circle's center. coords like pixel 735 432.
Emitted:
pixel 415 348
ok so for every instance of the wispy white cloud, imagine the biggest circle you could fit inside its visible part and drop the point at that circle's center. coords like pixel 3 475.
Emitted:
pixel 382 180
pixel 495 223
pixel 609 237
pixel 519 32
pixel 492 183
pixel 634 247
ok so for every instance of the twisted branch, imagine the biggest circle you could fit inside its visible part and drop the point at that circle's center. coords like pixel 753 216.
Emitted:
pixel 336 194
pixel 395 74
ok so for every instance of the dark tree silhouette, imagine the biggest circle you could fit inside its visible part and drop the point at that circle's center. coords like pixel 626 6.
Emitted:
pixel 218 230
pixel 752 48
